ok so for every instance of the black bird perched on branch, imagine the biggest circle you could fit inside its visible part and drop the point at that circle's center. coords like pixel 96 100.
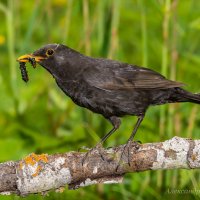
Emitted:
pixel 108 87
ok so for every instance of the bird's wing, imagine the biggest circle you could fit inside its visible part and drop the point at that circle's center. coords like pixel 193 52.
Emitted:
pixel 127 77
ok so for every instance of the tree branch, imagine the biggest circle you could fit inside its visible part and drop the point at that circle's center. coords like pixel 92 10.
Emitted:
pixel 41 173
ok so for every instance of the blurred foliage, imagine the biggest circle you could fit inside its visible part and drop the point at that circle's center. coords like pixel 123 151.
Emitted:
pixel 38 117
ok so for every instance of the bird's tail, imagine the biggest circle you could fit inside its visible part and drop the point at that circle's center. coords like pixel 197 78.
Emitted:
pixel 182 95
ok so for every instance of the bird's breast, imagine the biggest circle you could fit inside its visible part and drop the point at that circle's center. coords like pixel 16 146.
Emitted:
pixel 107 103
pixel 78 91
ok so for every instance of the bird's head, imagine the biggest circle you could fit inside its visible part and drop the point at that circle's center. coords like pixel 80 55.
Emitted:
pixel 52 57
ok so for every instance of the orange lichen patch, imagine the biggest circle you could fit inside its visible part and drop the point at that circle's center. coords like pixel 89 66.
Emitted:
pixel 43 157
pixel 29 160
pixel 33 158
pixel 38 170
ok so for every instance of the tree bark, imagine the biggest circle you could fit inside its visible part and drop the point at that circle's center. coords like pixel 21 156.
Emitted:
pixel 41 173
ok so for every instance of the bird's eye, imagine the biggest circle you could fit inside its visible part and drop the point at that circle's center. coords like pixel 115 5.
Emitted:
pixel 50 52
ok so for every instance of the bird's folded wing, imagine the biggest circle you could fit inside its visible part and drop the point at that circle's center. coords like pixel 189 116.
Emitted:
pixel 128 78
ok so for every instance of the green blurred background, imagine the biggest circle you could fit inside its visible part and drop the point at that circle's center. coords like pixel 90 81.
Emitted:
pixel 37 117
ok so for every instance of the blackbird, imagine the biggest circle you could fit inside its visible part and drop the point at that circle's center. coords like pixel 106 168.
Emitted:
pixel 108 87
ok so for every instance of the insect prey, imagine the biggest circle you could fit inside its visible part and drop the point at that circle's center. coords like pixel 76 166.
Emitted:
pixel 24 73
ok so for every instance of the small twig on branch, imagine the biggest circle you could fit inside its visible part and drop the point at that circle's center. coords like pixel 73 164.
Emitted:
pixel 41 173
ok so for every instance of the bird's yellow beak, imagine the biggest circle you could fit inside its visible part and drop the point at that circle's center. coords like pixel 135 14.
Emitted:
pixel 27 57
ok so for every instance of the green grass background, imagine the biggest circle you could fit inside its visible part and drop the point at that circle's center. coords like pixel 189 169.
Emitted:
pixel 37 117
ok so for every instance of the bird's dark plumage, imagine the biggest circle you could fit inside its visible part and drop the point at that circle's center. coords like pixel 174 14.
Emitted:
pixel 109 87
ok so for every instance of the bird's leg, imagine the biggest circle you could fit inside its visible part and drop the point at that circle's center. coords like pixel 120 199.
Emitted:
pixel 115 121
pixel 127 145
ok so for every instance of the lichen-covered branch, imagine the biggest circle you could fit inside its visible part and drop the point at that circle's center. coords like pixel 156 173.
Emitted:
pixel 41 173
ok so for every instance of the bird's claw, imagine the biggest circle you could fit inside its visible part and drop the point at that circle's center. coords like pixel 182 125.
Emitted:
pixel 99 149
pixel 136 144
pixel 127 146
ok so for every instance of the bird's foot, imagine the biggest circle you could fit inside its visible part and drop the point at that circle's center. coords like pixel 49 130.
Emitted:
pixel 126 148
pixel 99 148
